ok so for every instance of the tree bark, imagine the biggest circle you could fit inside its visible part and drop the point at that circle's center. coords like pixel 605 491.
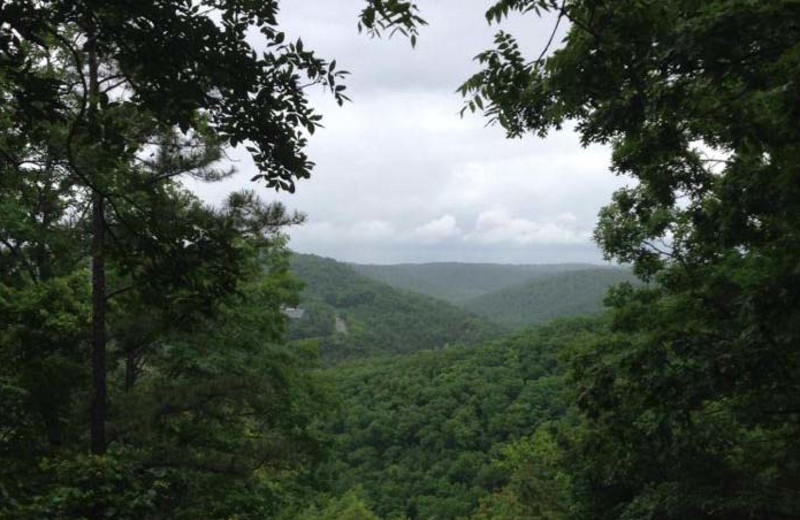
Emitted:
pixel 98 422
pixel 98 413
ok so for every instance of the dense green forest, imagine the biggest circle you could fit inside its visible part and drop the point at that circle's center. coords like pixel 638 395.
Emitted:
pixel 573 293
pixel 149 366
pixel 375 319
pixel 425 436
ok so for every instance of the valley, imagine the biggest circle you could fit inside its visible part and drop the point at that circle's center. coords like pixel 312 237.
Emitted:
pixel 432 397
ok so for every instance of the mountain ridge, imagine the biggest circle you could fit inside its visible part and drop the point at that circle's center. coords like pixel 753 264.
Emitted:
pixel 457 282
pixel 555 296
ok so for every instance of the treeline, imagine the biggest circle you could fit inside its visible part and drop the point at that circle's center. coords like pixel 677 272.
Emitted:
pixel 458 282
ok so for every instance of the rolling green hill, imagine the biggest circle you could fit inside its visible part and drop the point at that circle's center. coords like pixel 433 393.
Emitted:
pixel 458 282
pixel 560 295
pixel 354 316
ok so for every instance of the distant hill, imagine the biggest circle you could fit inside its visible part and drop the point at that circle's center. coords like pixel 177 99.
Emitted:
pixel 354 316
pixel 458 282
pixel 560 295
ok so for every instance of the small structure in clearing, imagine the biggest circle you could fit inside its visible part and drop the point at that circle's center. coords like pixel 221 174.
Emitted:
pixel 340 325
pixel 294 313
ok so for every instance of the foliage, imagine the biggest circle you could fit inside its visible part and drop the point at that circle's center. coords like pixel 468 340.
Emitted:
pixel 201 71
pixel 93 96
pixel 420 434
pixel 684 407
pixel 397 16
pixel 349 507
pixel 195 408
pixel 209 415
pixel 540 485
pixel 691 402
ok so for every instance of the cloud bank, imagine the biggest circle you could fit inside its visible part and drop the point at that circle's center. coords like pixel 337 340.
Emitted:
pixel 400 177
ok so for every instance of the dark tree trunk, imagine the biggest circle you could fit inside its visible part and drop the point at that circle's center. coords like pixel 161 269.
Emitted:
pixel 98 427
pixel 98 418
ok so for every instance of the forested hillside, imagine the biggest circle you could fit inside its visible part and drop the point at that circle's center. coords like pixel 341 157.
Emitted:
pixel 458 282
pixel 374 318
pixel 560 295
pixel 423 436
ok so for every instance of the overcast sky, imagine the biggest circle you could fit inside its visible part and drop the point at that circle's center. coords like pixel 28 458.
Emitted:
pixel 401 178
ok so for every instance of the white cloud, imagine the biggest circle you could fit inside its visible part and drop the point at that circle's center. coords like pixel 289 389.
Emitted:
pixel 400 177
pixel 498 226
pixel 437 229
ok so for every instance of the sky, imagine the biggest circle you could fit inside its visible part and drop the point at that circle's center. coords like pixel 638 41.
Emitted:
pixel 400 177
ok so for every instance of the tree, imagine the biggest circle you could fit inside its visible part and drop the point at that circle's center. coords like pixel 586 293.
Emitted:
pixel 99 117
pixel 349 507
pixel 540 486
pixel 87 85
pixel 690 403
pixel 209 414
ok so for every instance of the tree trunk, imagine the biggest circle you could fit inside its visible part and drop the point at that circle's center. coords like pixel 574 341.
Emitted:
pixel 98 414
pixel 98 424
